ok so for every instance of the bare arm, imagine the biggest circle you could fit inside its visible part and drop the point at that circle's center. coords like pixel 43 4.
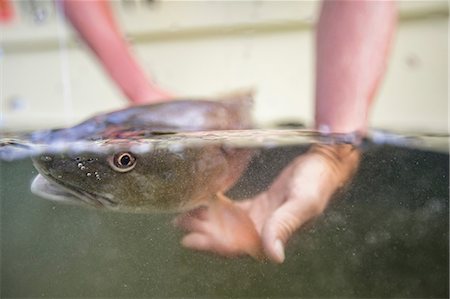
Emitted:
pixel 95 23
pixel 353 40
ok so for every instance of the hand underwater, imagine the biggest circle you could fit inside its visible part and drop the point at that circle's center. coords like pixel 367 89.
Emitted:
pixel 301 192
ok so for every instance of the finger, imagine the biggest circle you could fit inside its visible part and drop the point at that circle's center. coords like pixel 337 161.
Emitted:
pixel 189 224
pixel 284 222
pixel 197 241
pixel 200 213
pixel 244 204
pixel 203 242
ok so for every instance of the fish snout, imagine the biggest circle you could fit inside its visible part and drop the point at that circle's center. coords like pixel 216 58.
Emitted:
pixel 43 164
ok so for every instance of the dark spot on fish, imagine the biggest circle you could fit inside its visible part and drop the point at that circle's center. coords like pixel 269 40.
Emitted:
pixel 158 133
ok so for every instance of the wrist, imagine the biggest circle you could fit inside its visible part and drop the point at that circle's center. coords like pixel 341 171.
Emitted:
pixel 341 122
pixel 342 158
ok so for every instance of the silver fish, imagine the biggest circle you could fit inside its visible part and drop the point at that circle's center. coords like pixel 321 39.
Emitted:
pixel 161 180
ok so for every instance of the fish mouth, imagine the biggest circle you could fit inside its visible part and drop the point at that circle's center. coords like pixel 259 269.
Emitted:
pixel 55 190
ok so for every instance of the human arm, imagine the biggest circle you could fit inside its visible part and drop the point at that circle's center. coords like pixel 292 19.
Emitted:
pixel 353 40
pixel 352 45
pixel 95 23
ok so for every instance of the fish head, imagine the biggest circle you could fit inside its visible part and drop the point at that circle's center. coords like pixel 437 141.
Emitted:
pixel 157 181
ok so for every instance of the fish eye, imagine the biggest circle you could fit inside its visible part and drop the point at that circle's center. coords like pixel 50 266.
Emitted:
pixel 122 162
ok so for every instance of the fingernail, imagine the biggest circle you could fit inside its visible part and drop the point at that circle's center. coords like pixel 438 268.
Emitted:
pixel 279 250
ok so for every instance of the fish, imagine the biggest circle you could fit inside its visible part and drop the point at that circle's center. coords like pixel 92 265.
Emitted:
pixel 163 180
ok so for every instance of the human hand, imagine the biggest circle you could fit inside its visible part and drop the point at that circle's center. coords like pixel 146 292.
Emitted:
pixel 150 93
pixel 298 194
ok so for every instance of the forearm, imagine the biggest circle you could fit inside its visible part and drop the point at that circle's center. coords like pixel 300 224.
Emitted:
pixel 353 40
pixel 95 23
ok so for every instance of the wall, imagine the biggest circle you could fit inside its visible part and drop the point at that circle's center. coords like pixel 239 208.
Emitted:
pixel 49 78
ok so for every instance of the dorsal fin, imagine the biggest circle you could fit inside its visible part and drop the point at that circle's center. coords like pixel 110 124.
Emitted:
pixel 240 97
pixel 240 101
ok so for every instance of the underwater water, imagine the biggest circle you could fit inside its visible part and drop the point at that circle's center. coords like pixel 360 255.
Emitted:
pixel 386 235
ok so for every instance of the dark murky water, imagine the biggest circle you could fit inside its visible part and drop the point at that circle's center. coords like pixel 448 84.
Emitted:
pixel 386 236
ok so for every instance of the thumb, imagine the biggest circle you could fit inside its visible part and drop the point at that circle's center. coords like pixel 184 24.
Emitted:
pixel 284 222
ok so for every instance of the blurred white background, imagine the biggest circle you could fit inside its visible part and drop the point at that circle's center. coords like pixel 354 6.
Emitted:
pixel 49 78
